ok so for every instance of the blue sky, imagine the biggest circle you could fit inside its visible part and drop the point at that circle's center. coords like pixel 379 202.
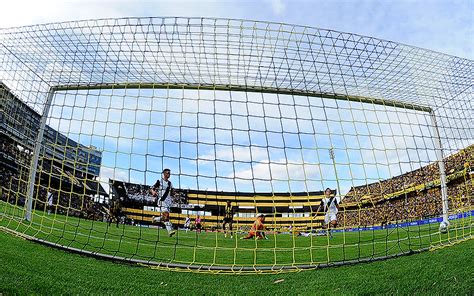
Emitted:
pixel 442 25
pixel 243 151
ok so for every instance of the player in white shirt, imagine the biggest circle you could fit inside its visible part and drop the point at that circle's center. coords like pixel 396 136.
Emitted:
pixel 187 223
pixel 330 205
pixel 163 191
pixel 50 201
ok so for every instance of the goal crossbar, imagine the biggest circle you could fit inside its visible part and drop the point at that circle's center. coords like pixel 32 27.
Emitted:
pixel 220 87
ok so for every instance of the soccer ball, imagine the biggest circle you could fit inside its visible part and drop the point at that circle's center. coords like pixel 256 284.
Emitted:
pixel 443 227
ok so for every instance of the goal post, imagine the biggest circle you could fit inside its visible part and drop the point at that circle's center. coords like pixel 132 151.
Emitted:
pixel 35 157
pixel 442 171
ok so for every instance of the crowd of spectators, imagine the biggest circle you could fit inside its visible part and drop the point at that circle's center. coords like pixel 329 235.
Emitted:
pixel 14 180
pixel 70 204
pixel 412 205
pixel 141 195
pixel 415 205
pixel 456 162
pixel 13 177
pixel 11 187
pixel 12 154
pixel 64 202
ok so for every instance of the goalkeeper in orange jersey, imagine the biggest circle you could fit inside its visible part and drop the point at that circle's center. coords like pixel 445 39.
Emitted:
pixel 257 230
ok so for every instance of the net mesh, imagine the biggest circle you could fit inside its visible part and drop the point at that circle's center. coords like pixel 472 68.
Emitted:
pixel 251 118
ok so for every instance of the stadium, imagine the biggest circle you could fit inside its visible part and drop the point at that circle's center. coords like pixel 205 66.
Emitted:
pixel 353 149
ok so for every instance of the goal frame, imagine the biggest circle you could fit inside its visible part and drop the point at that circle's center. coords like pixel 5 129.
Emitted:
pixel 360 99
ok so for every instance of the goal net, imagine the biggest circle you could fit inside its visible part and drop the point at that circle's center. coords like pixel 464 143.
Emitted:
pixel 231 145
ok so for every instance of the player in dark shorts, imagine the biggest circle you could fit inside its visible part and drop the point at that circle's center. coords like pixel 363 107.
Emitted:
pixel 115 212
pixel 228 218
pixel 198 224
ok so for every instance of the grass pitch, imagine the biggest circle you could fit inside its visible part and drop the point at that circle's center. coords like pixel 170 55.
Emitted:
pixel 31 268
pixel 213 249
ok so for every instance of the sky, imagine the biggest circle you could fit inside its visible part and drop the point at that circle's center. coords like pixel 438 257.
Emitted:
pixel 445 26
pixel 267 143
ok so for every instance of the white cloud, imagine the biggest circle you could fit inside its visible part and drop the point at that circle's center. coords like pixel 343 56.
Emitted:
pixel 278 6
pixel 368 17
pixel 282 170
pixel 238 153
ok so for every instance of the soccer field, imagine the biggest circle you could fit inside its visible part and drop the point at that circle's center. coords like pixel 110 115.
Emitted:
pixel 191 249
pixel 30 268
pixel 261 114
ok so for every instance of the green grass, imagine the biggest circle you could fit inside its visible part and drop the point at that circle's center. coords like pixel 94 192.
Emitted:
pixel 31 268
pixel 213 249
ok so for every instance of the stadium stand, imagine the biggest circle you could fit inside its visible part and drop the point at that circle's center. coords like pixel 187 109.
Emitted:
pixel 414 195
pixel 281 209
pixel 406 182
pixel 67 168
pixel 71 171
pixel 410 196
